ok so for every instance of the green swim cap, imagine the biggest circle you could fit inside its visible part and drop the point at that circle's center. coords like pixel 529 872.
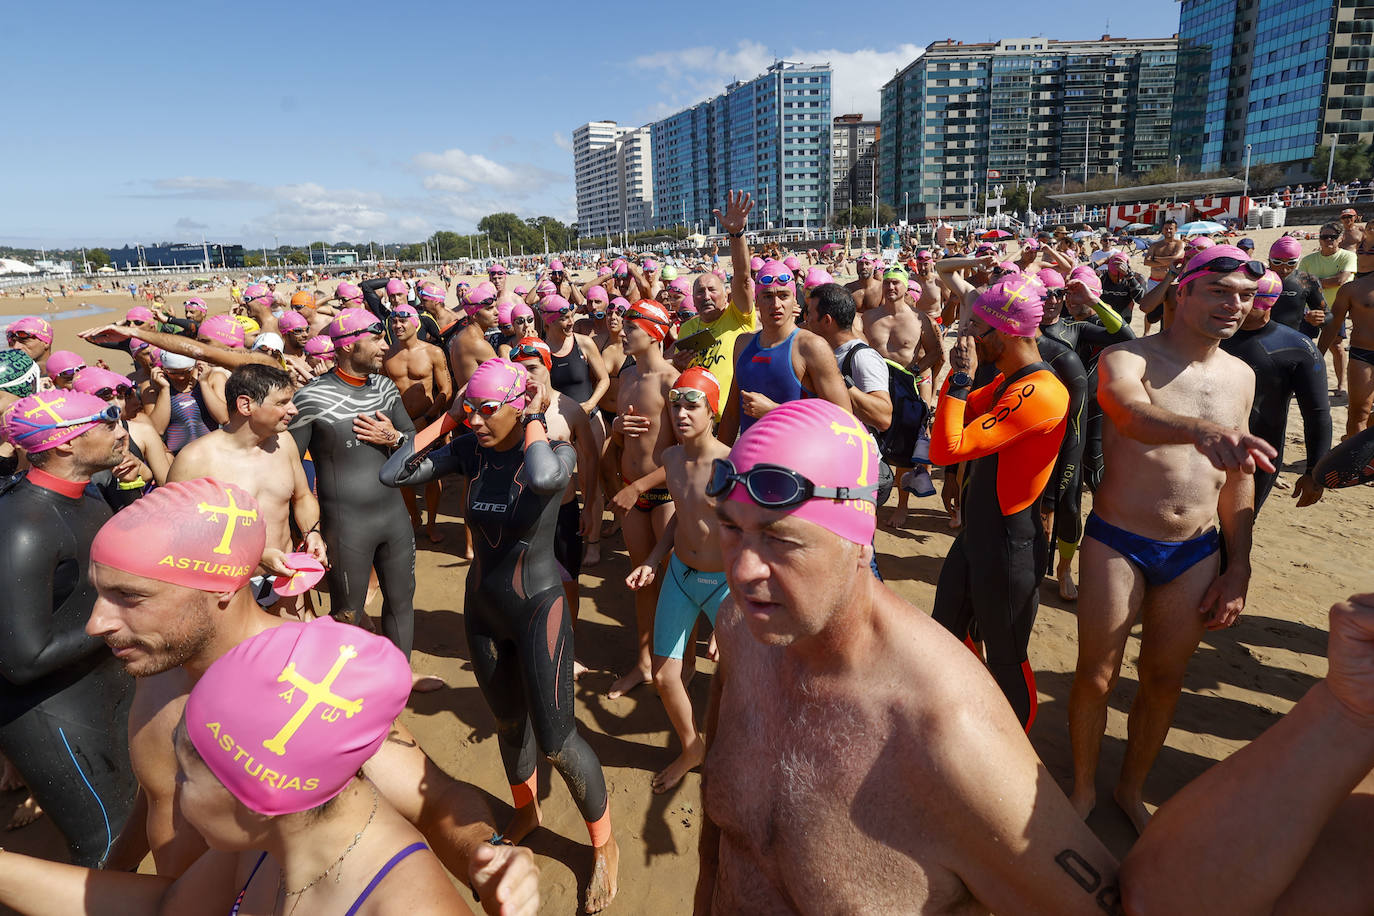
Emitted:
pixel 18 373
pixel 669 272
pixel 895 273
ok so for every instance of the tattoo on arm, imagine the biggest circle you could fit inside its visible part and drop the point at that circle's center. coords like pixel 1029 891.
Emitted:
pixel 1086 876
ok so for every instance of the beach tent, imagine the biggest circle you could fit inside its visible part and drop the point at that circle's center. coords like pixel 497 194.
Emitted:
pixel 11 266
pixel 107 269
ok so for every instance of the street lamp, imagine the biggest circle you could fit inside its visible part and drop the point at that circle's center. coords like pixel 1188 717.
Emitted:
pixel 906 200
pixel 1247 170
pixel 1178 161
pixel 1063 180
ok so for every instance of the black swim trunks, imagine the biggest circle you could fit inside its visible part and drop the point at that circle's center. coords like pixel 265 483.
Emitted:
pixel 651 500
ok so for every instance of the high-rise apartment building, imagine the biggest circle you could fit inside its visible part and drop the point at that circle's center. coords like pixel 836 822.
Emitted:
pixel 1259 69
pixel 853 161
pixel 769 136
pixel 1349 108
pixel 613 170
pixel 963 117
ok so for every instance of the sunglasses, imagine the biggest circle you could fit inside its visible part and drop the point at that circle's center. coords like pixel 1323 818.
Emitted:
pixel 109 415
pixel 690 395
pixel 770 280
pixel 20 335
pixel 69 374
pixel 106 394
pixel 775 487
pixel 1056 294
pixel 1284 262
pixel 1255 269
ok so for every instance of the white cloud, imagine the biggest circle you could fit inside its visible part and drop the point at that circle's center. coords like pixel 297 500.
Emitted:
pixel 692 75
pixel 562 141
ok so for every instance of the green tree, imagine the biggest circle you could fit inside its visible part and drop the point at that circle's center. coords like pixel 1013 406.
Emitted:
pixel 98 258
pixel 863 216
pixel 1352 161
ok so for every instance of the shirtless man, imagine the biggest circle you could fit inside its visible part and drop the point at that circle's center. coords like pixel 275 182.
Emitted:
pixel 469 348
pixel 964 289
pixel 500 280
pixel 931 299
pixel 907 336
pixel 565 420
pixel 1355 300
pixel 167 624
pixel 867 290
pixel 695 579
pixel 1179 413
pixel 842 774
pixel 1352 233
pixel 254 451
pixel 420 372
pixel 1160 256
pixel 642 431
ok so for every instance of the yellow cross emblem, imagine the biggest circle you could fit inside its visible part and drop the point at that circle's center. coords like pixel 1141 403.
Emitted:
pixel 315 695
pixel 234 513
pixel 856 435
pixel 49 408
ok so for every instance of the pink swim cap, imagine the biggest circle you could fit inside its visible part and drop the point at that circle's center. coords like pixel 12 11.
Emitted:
pixel 286 718
pixel 1197 263
pixel 520 310
pixel 1030 245
pixel 620 302
pixel 479 297
pixel 395 286
pixel 756 263
pixel 350 326
pixel 1013 305
pixel 650 264
pixel 320 347
pixel 258 291
pixel 93 379
pixel 792 263
pixel 1050 278
pixel 1200 243
pixel 603 271
pixel 555 265
pixel 598 294
pixel 1285 247
pixel 431 292
pixel 499 380
pixel 839 452
pixel 32 423
pixel 1268 288
pixel 619 267
pixel 680 285
pixel 292 321
pixel 774 269
pixel 546 288
pixel 496 268
pixel 139 313
pixel 1088 277
pixel 201 533
pixel 223 330
pixel 60 361
pixel 348 292
pixel 817 276
pixel 32 325
pixel 1009 267
pixel 520 290
pixel 503 313
pixel 408 313
pixel 196 304
pixel 552 305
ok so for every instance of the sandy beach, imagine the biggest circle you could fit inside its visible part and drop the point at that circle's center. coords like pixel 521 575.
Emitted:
pixel 1240 681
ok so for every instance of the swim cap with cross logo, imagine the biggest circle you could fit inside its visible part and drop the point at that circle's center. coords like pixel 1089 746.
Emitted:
pixel 286 718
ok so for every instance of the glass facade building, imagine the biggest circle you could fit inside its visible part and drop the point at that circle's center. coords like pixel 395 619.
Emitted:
pixel 769 136
pixel 1260 67
pixel 964 117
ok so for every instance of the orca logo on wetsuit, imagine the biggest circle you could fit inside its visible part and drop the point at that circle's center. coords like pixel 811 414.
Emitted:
pixel 1003 412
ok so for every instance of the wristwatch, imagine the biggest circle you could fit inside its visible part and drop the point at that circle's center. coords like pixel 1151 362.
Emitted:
pixel 736 235
pixel 530 418
pixel 960 380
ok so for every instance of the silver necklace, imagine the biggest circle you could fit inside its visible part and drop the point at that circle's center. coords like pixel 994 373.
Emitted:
pixel 336 863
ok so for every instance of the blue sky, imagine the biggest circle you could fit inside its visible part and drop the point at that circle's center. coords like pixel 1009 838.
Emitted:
pixel 144 122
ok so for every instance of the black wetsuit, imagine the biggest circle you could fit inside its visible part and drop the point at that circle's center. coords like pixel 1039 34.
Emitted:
pixel 515 613
pixel 64 699
pixel 1064 493
pixel 1348 464
pixel 374 302
pixel 572 375
pixel 364 524
pixel 1299 295
pixel 1123 294
pixel 1286 363
pixel 1088 339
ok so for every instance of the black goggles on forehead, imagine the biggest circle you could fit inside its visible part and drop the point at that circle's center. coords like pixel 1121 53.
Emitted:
pixel 1253 269
pixel 637 315
pixel 775 487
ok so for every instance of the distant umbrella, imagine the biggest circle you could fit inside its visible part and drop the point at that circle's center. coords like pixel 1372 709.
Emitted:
pixel 1082 234
pixel 1201 227
pixel 995 235
pixel 830 246
pixel 1136 227
pixel 1141 243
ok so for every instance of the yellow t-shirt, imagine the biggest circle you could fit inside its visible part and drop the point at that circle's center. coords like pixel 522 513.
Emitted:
pixel 1321 267
pixel 719 359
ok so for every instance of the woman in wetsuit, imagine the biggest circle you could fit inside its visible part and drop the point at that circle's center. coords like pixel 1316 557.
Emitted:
pixel 518 626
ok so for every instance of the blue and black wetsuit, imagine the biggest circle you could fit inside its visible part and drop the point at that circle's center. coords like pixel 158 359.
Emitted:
pixel 518 626
pixel 1286 363
pixel 364 524
pixel 64 698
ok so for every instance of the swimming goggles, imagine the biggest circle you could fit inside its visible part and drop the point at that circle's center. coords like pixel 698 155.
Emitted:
pixel 781 279
pixel 109 415
pixel 775 487
pixel 1255 269
pixel 690 395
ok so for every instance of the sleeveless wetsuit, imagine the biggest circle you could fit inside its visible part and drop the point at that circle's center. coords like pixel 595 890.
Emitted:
pixel 1009 432
pixel 364 524
pixel 1286 363
pixel 1088 339
pixel 64 698
pixel 190 419
pixel 768 371
pixel 572 375
pixel 518 627
pixel 1064 493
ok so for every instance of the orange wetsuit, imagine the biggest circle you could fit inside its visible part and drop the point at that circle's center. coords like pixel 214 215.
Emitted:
pixel 1009 432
